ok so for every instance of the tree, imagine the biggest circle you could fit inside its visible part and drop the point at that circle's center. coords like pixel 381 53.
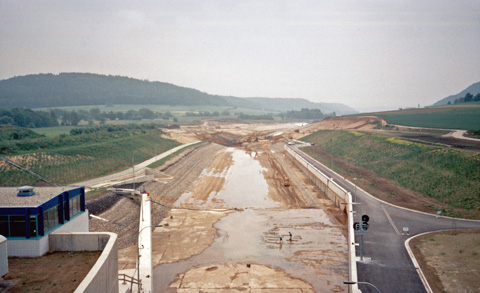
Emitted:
pixel 74 119
pixel 468 97
pixel 476 98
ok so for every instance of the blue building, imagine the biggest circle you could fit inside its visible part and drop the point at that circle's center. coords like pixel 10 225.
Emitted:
pixel 29 214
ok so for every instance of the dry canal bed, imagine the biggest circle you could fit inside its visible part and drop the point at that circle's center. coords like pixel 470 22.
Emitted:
pixel 231 231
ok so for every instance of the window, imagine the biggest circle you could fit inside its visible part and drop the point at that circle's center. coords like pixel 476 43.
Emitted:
pixel 33 226
pixel 74 206
pixel 17 226
pixel 50 218
pixel 4 226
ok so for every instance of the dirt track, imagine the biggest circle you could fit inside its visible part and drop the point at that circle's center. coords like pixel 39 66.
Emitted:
pixel 214 184
pixel 225 196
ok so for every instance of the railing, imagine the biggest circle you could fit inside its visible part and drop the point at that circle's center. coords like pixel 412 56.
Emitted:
pixel 126 278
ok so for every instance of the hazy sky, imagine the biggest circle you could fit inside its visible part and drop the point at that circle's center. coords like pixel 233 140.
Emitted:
pixel 367 54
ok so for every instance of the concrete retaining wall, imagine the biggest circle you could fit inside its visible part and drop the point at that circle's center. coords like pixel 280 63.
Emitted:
pixel 334 192
pixel 38 247
pixel 103 277
pixel 3 256
pixel 339 196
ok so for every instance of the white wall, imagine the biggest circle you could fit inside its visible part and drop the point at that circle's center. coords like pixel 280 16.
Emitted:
pixel 3 256
pixel 103 277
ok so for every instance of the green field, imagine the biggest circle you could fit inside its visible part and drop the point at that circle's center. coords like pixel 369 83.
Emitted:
pixel 177 111
pixel 53 131
pixel 444 117
pixel 72 158
pixel 449 175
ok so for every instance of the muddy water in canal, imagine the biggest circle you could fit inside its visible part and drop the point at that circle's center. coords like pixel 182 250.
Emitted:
pixel 256 244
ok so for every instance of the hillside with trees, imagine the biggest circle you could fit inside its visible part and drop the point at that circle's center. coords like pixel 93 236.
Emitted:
pixel 467 99
pixel 82 89
pixel 474 89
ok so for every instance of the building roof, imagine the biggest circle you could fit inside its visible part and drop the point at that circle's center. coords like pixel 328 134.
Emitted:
pixel 9 198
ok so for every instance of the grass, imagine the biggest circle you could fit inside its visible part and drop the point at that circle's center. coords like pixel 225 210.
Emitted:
pixel 162 161
pixel 52 132
pixel 177 111
pixel 464 116
pixel 449 175
pixel 74 158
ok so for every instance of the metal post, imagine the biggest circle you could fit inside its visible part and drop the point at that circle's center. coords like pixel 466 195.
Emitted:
pixel 361 246
pixel 355 192
pixel 133 168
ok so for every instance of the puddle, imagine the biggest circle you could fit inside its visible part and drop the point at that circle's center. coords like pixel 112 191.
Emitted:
pixel 315 254
pixel 244 187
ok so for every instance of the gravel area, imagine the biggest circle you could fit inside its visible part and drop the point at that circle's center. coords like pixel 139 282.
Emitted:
pixel 120 214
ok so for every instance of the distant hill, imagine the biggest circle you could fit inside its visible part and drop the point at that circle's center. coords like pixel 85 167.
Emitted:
pixel 473 89
pixel 81 89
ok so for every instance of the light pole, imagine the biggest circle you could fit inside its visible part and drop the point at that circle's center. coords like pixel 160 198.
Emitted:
pixel 366 283
pixel 355 192
pixel 133 170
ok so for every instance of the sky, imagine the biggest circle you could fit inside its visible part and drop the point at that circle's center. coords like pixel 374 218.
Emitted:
pixel 367 54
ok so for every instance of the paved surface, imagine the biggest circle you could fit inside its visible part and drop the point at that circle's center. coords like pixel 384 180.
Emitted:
pixel 129 172
pixel 460 134
pixel 387 264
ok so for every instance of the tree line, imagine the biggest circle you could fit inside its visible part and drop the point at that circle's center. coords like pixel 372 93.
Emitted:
pixel 28 118
pixel 25 117
pixel 310 114
pixel 466 99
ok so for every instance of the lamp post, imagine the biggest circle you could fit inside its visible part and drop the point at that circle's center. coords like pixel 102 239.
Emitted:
pixel 133 171
pixel 355 192
pixel 366 283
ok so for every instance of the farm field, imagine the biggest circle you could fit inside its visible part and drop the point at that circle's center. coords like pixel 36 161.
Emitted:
pixel 451 176
pixel 177 111
pixel 72 158
pixel 52 132
pixel 445 117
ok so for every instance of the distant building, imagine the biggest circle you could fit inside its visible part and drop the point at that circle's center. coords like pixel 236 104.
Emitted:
pixel 29 214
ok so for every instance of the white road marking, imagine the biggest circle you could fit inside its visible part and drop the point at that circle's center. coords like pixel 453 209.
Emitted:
pixel 390 220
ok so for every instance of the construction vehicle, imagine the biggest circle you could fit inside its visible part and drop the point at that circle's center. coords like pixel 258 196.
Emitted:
pixel 277 166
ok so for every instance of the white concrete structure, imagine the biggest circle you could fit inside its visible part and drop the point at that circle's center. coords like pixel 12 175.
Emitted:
pixel 341 198
pixel 145 245
pixel 103 277
pixel 3 256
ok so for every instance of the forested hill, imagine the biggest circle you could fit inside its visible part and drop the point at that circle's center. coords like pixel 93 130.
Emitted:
pixel 79 89
pixel 473 89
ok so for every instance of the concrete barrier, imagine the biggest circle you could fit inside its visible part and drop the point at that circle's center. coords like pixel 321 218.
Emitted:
pixel 340 197
pixel 144 265
pixel 103 277
pixel 332 190
pixel 3 256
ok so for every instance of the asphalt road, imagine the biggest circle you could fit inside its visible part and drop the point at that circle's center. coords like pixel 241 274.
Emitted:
pixel 386 262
